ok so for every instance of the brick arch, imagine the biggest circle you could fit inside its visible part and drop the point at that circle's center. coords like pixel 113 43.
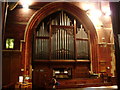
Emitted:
pixel 54 7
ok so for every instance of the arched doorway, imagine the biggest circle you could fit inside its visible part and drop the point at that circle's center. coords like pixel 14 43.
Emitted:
pixel 48 10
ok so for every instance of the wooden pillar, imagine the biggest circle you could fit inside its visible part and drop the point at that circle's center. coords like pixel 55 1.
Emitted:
pixel 0 46
pixel 75 50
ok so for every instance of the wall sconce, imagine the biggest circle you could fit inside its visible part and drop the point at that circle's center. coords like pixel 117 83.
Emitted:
pixel 103 43
pixel 103 39
pixel 98 13
pixel 106 10
pixel 22 70
pixel 95 16
pixel 108 68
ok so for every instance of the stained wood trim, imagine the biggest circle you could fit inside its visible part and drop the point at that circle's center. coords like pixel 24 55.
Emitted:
pixel 83 61
pixel 84 39
pixel 75 11
pixel 105 43
pixel 34 45
pixel 11 51
pixel 61 61
pixel 75 50
pixel 19 23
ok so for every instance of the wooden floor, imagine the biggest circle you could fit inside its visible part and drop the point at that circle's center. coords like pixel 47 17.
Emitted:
pixel 94 88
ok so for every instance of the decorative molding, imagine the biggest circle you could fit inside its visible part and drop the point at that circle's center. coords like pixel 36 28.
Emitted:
pixel 11 51
pixel 61 61
pixel 104 44
pixel 20 23
pixel 48 9
pixel 105 28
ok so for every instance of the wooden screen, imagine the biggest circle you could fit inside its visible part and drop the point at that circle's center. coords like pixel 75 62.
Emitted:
pixel 82 44
pixel 61 36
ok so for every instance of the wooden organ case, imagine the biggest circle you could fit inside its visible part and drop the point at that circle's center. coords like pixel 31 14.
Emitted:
pixel 60 42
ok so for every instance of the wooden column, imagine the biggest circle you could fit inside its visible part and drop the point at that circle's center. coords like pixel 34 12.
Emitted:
pixel 75 50
pixel 50 34
pixel 0 46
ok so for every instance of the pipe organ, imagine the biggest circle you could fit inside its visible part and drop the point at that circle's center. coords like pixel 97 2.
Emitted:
pixel 60 36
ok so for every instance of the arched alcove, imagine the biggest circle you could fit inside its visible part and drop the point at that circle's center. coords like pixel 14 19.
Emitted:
pixel 49 9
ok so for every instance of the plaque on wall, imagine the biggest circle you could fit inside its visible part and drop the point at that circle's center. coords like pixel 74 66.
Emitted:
pixel 102 69
pixel 102 66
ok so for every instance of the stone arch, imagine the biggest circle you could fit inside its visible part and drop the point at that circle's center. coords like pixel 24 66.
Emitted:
pixel 54 7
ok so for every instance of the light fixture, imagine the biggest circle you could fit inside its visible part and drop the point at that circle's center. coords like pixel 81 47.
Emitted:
pixel 99 14
pixel 95 13
pixel 103 39
pixel 22 69
pixel 26 3
pixel 108 68
pixel 95 16
pixel 87 6
pixel 106 10
pixel 108 13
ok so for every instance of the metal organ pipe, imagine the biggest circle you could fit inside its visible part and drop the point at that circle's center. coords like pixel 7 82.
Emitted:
pixel 62 39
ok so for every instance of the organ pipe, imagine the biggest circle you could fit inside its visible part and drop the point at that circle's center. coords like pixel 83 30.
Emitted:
pixel 61 42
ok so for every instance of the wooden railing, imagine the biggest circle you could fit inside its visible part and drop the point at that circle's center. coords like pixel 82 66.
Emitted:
pixel 83 82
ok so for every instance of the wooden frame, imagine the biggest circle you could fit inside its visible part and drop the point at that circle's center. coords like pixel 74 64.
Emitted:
pixel 75 11
pixel 61 34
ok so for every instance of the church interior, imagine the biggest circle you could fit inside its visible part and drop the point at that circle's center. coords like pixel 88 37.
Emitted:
pixel 75 42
